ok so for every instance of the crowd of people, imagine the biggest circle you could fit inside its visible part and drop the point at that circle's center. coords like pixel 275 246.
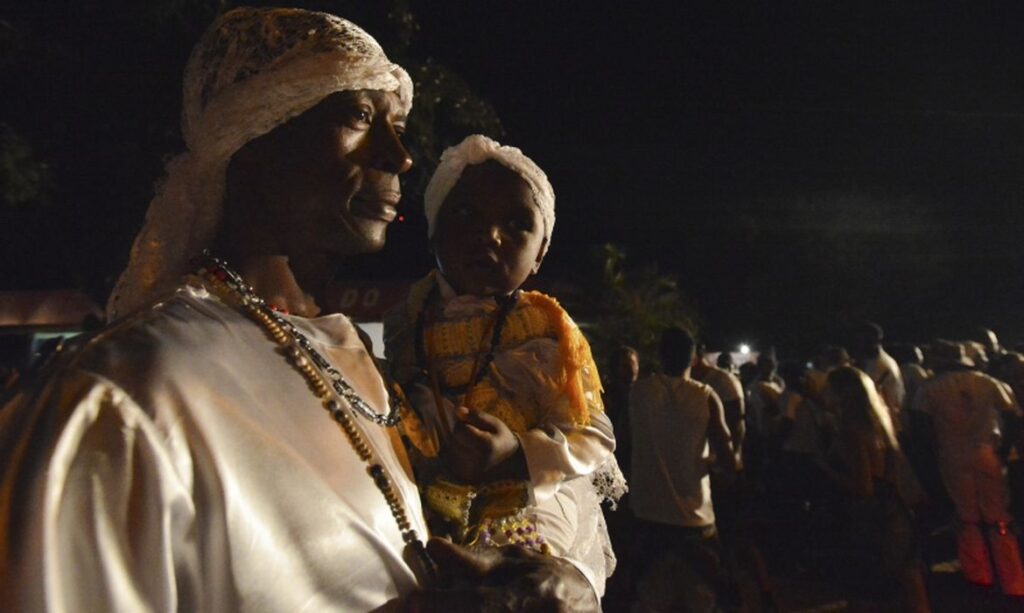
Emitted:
pixel 846 466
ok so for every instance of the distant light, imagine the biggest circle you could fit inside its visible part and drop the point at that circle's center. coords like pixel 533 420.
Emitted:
pixel 401 218
pixel 745 349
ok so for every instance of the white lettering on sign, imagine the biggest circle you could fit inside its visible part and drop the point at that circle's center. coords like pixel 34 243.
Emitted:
pixel 349 297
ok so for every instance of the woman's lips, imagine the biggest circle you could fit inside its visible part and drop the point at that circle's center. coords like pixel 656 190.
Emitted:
pixel 382 206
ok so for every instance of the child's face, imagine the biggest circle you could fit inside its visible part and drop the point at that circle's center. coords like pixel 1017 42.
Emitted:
pixel 489 232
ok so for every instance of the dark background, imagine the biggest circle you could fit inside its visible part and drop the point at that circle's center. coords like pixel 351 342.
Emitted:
pixel 796 165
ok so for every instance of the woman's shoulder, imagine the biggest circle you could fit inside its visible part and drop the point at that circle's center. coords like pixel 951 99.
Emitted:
pixel 176 340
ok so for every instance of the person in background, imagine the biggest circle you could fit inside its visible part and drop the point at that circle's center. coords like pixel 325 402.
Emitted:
pixel 911 361
pixel 1009 368
pixel 966 408
pixel 799 435
pixel 729 391
pixel 982 347
pixel 679 436
pixel 733 499
pixel 763 394
pixel 726 363
pixel 829 357
pixel 623 371
pixel 879 553
pixel 880 366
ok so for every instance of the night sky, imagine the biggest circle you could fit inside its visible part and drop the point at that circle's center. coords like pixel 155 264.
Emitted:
pixel 798 166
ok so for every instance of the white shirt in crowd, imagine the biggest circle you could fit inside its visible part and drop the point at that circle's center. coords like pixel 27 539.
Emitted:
pixel 670 483
pixel 885 372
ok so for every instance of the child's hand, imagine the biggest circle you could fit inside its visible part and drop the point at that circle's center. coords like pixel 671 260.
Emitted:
pixel 480 444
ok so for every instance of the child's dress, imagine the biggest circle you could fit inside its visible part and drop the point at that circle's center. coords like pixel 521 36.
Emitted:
pixel 524 361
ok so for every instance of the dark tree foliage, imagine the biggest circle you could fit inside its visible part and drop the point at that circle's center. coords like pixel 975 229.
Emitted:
pixel 91 112
pixel 629 306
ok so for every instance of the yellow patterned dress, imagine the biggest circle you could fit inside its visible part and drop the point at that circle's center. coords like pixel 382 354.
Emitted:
pixel 539 379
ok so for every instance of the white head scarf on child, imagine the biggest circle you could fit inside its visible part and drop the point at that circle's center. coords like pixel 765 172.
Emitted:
pixel 477 149
pixel 253 70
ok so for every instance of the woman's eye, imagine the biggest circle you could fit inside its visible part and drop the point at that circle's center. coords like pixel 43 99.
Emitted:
pixel 362 115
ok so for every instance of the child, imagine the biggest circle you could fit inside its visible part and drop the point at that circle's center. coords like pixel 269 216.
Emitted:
pixel 509 436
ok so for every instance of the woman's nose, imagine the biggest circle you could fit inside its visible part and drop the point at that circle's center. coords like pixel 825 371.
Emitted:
pixel 390 155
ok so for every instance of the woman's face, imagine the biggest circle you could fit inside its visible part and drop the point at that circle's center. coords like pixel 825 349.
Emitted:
pixel 490 233
pixel 326 182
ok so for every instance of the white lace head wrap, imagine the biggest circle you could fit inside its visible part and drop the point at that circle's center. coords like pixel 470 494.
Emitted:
pixel 253 70
pixel 477 149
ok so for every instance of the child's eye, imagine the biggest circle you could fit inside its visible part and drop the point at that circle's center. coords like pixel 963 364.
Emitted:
pixel 521 224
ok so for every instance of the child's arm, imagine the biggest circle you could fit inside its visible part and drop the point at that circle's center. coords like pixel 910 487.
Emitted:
pixel 559 447
pixel 558 450
pixel 483 448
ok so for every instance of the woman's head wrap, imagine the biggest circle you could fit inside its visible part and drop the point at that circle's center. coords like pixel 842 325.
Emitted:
pixel 477 149
pixel 253 70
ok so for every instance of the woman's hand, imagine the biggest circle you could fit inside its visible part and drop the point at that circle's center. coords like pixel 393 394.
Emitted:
pixel 482 446
pixel 506 579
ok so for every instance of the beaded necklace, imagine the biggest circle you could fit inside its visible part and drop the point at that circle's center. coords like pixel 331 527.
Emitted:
pixel 318 371
pixel 497 326
pixel 282 330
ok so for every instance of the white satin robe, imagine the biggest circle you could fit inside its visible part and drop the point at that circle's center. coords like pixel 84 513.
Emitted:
pixel 178 462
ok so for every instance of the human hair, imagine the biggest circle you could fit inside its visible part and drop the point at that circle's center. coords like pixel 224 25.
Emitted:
pixel 905 353
pixel 620 369
pixel 866 339
pixel 859 404
pixel 831 356
pixel 794 374
pixel 620 354
pixel 676 350
pixel 748 372
pixel 766 365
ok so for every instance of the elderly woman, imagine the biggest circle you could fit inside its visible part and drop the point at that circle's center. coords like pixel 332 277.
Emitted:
pixel 225 445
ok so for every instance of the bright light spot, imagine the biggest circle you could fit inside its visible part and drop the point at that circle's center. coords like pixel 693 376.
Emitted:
pixel 745 349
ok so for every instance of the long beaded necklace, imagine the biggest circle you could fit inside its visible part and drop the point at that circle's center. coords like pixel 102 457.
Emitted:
pixel 499 506
pixel 318 371
pixel 496 326
pixel 263 313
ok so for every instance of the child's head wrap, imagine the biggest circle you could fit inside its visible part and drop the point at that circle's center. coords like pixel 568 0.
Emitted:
pixel 253 70
pixel 477 149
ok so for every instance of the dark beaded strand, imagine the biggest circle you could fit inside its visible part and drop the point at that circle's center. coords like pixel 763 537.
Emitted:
pixel 505 306
pixel 282 331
